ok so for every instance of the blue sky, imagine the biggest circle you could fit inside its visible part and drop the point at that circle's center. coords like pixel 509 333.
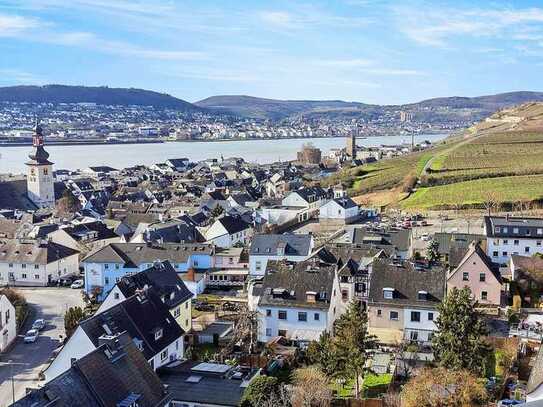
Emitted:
pixel 383 52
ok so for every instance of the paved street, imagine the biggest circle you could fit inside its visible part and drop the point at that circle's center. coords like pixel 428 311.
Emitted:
pixel 50 304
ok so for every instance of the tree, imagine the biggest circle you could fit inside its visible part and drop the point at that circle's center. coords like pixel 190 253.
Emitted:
pixel 442 387
pixel 19 303
pixel 310 388
pixel 217 211
pixel 432 251
pixel 322 353
pixel 260 389
pixel 491 200
pixel 459 344
pixel 353 344
pixel 68 204
pixel 72 318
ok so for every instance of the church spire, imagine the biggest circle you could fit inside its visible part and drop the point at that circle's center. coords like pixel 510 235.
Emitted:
pixel 38 156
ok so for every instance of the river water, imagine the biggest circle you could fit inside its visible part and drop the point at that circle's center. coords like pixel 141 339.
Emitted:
pixel 12 159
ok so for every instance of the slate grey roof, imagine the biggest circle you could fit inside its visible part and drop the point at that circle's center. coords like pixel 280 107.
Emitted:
pixel 407 281
pixel 134 254
pixel 291 244
pixel 164 280
pixel 32 252
pixel 296 280
pixel 345 202
pixel 233 224
pixel 454 246
pixel 211 389
pixel 527 227
pixel 140 315
pixel 389 240
pixel 103 378
pixel 13 195
pixel 97 229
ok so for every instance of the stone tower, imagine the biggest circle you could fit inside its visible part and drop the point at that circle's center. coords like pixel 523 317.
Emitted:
pixel 39 180
pixel 351 144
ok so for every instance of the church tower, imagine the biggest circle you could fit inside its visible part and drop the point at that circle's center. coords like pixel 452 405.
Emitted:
pixel 39 180
pixel 351 144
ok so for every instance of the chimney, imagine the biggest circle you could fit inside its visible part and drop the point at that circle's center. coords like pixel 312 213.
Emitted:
pixel 311 297
pixel 191 274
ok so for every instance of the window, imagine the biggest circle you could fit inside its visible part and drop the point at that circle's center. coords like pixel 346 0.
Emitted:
pixel 282 332
pixel 482 277
pixel 268 332
pixel 430 316
pixel 23 275
pixel 268 312
pixel 497 229
pixel 379 313
pixel 106 266
pixel 282 315
pixel 515 230
pixel 539 231
pixel 504 253
pixel 116 296
pixel 484 295
pixel 317 316
pixel 538 243
pixel 516 242
pixel 505 241
pixel 421 295
pixel 106 280
pixel 494 254
pixel 10 265
pixel 414 335
pixel 345 295
pixel 164 354
pixel 258 265
pixel 36 266
pixel 465 274
pixel 117 267
pixel 36 276
pixel 23 266
pixel 394 315
pixel 158 334
pixel 527 249
pixel 302 316
pixel 388 293
pixel 415 316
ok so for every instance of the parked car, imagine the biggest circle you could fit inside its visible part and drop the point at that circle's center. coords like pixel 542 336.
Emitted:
pixel 77 284
pixel 425 237
pixel 31 336
pixel 38 324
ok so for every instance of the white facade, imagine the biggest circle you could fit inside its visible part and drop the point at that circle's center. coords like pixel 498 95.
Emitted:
pixel 333 210
pixel 258 263
pixel 40 185
pixel 30 274
pixel 295 199
pixel 500 249
pixel 218 235
pixel 420 330
pixel 8 326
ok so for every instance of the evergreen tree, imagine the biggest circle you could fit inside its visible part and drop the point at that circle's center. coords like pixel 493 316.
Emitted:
pixel 72 318
pixel 322 353
pixel 353 344
pixel 432 252
pixel 459 343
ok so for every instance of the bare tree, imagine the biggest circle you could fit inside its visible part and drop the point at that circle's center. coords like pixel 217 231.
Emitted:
pixel 310 388
pixel 491 200
pixel 280 398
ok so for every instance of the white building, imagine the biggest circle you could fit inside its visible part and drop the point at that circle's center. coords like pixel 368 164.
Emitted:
pixel 228 231
pixel 39 181
pixel 341 210
pixel 298 303
pixel 143 316
pixel 35 262
pixel 310 198
pixel 8 326
pixel 290 247
pixel 512 235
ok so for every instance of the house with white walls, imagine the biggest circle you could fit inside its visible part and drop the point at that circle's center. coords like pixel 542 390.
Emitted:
pixel 290 247
pixel 144 316
pixel 8 325
pixel 228 231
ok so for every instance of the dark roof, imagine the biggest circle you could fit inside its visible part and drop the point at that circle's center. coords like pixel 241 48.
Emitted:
pixel 242 198
pixel 140 315
pixel 345 202
pixel 291 245
pixel 13 195
pixel 164 280
pixel 291 283
pixel 455 245
pixel 82 231
pixel 204 388
pixel 527 264
pixel 407 281
pixel 105 377
pixel 504 226
pixel 134 254
pixel 216 195
pixel 32 252
pixel 312 194
pixel 389 240
pixel 102 168
pixel 233 224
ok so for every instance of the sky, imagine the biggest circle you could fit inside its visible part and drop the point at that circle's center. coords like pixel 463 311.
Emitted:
pixel 385 52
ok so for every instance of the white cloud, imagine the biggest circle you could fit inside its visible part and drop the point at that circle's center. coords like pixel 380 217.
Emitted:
pixel 346 63
pixel 13 25
pixel 20 77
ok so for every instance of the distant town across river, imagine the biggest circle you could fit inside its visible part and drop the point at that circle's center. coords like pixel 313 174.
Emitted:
pixel 73 157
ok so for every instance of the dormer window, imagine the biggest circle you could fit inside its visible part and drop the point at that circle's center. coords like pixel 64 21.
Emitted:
pixel 515 230
pixel 388 293
pixel 422 295
pixel 158 334
pixel 497 229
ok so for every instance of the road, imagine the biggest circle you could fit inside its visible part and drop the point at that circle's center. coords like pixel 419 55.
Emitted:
pixel 29 359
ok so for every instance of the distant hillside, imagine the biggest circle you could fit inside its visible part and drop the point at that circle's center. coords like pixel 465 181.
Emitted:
pixel 260 108
pixel 478 107
pixel 498 159
pixel 100 95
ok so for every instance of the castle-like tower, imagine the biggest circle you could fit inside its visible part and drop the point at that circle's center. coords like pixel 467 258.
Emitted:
pixel 39 180
pixel 351 144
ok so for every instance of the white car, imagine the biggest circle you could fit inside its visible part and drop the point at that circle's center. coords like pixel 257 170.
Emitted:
pixel 77 284
pixel 31 336
pixel 425 237
pixel 38 324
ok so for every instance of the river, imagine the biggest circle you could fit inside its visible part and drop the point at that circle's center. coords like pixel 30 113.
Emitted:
pixel 12 159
